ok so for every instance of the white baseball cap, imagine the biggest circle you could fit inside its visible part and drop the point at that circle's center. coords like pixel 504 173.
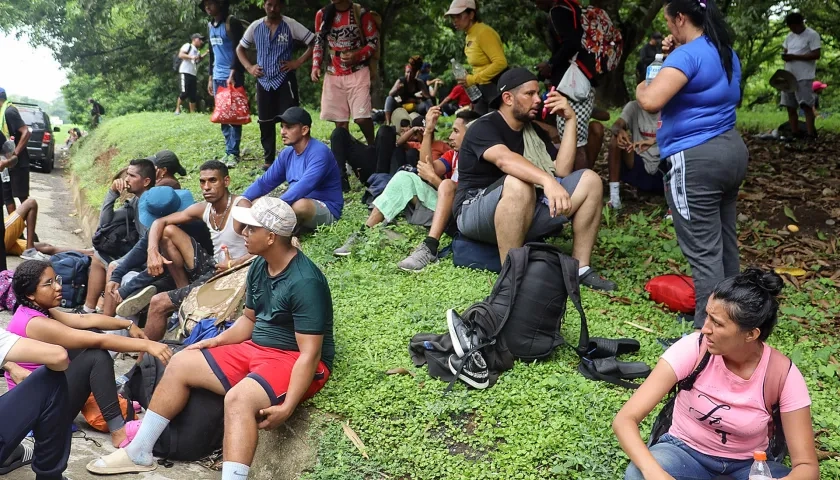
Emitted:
pixel 458 6
pixel 271 213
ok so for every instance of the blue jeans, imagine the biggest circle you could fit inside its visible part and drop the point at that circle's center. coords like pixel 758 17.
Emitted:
pixel 684 463
pixel 232 133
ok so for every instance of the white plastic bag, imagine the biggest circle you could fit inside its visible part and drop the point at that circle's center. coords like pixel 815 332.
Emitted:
pixel 574 84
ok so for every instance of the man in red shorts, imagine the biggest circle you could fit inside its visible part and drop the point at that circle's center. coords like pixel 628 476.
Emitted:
pixel 277 354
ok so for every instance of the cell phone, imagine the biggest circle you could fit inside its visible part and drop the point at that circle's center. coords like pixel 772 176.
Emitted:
pixel 545 109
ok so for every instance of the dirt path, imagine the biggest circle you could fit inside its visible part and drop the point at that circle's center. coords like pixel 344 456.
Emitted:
pixel 56 222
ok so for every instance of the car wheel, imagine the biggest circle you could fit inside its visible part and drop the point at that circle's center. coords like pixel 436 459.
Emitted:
pixel 48 164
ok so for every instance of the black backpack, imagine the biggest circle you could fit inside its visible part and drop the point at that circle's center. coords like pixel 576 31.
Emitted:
pixel 118 237
pixel 197 431
pixel 73 268
pixel 176 61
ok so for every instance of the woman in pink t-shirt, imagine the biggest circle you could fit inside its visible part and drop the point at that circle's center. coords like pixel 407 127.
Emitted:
pixel 722 419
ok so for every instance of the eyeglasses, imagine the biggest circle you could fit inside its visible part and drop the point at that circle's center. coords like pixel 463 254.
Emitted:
pixel 51 283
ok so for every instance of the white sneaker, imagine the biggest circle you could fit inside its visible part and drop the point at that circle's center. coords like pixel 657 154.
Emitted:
pixel 32 254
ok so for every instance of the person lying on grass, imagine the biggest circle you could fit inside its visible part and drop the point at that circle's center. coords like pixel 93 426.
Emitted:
pixel 426 196
pixel 38 291
pixel 722 418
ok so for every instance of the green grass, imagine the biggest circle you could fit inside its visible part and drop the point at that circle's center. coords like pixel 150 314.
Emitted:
pixel 543 419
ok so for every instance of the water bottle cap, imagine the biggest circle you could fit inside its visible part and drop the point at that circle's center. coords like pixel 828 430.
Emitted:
pixel 659 56
pixel 760 456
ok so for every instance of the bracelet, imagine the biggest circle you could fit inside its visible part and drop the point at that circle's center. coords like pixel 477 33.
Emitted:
pixel 130 324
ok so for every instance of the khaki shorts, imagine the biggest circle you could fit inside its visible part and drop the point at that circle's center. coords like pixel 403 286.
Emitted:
pixel 346 97
pixel 14 229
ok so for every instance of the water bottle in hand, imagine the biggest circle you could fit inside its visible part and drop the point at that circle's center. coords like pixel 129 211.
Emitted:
pixel 460 73
pixel 654 68
pixel 760 470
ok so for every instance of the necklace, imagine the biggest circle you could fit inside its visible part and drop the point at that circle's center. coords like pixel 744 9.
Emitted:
pixel 217 226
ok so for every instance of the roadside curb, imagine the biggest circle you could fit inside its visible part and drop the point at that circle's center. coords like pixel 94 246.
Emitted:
pixel 88 215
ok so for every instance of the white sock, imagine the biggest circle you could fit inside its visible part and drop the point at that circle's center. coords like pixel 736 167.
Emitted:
pixel 615 195
pixel 88 309
pixel 583 270
pixel 140 449
pixel 234 471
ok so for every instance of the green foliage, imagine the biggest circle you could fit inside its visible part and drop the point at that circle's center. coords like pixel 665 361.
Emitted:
pixel 543 419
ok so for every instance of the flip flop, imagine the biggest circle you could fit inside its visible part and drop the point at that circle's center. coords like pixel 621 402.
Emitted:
pixel 600 347
pixel 22 456
pixel 116 463
pixel 624 370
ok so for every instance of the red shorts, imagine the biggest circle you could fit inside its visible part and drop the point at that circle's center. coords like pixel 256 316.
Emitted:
pixel 270 367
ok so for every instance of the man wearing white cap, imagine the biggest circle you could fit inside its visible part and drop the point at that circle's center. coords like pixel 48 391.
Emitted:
pixel 277 354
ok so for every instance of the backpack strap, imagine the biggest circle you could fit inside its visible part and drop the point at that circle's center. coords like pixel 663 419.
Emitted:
pixel 703 358
pixel 514 266
pixel 774 379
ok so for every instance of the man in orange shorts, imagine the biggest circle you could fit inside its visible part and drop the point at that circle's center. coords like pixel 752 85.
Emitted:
pixel 24 218
pixel 277 354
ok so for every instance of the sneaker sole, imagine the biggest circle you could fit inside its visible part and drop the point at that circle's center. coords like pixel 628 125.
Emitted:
pixel 341 254
pixel 450 319
pixel 132 305
pixel 469 381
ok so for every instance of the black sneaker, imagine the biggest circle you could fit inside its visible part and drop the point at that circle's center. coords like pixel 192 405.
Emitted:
pixel 596 282
pixel 463 337
pixel 473 369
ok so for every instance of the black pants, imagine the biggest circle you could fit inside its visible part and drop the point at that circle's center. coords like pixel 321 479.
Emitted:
pixel 92 371
pixel 346 149
pixel 3 265
pixel 39 404
pixel 271 104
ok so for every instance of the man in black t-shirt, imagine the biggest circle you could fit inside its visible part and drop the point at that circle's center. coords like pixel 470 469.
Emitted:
pixel 13 126
pixel 513 186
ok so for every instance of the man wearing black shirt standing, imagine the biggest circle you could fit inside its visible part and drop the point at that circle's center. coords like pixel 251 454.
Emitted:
pixel 648 54
pixel 514 187
pixel 13 126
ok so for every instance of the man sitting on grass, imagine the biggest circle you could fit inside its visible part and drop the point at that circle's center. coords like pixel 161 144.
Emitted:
pixel 511 190
pixel 228 246
pixel 634 157
pixel 277 354
pixel 309 166
pixel 418 193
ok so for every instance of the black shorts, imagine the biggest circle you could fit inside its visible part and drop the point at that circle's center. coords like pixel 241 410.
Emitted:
pixel 189 88
pixel 17 187
pixel 203 269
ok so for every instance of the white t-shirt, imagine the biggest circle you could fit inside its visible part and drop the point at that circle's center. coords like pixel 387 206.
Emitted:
pixel 7 341
pixel 642 126
pixel 188 66
pixel 805 42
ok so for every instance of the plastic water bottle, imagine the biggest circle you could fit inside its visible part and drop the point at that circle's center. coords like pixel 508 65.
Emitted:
pixel 460 73
pixel 759 469
pixel 4 176
pixel 654 68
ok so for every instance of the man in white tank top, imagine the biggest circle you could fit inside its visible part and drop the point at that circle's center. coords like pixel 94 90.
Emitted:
pixel 228 246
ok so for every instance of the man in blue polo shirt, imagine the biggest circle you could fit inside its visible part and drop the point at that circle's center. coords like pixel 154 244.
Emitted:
pixel 310 168
pixel 225 33
pixel 274 37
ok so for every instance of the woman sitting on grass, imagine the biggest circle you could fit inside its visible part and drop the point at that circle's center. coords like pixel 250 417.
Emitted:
pixel 38 292
pixel 720 421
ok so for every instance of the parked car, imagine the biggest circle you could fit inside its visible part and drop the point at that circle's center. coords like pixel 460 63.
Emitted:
pixel 41 146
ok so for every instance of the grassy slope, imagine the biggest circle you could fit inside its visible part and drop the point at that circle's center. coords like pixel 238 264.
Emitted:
pixel 542 419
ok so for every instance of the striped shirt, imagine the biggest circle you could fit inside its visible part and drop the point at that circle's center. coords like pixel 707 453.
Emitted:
pixel 274 49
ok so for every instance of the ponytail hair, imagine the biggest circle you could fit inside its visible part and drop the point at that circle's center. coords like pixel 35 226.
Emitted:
pixel 705 15
pixel 25 281
pixel 750 299
pixel 327 19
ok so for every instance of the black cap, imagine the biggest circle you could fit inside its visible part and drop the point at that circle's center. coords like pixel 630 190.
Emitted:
pixel 418 121
pixel 510 80
pixel 168 160
pixel 296 115
pixel 196 35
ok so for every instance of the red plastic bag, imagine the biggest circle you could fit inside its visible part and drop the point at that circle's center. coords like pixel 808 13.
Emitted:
pixel 675 291
pixel 231 106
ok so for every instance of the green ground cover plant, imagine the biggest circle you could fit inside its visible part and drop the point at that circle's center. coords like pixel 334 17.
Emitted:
pixel 542 419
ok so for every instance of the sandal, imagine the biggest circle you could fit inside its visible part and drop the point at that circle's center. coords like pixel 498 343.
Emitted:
pixel 116 463
pixel 600 347
pixel 613 371
pixel 131 429
pixel 21 456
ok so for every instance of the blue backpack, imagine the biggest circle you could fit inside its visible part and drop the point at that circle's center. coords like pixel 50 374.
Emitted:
pixel 471 254
pixel 73 268
pixel 207 328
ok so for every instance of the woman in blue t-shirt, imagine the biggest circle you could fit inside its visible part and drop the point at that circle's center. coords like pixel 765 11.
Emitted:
pixel 696 93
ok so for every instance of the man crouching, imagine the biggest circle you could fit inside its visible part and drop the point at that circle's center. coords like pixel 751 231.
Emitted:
pixel 277 354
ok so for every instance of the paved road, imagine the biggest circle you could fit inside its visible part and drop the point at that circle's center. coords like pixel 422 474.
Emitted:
pixel 56 222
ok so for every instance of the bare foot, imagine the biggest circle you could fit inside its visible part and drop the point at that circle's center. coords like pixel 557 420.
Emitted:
pixel 118 437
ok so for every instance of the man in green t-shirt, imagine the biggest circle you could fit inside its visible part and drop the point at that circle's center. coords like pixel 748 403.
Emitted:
pixel 277 354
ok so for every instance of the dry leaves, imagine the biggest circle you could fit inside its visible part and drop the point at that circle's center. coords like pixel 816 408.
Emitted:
pixel 355 439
